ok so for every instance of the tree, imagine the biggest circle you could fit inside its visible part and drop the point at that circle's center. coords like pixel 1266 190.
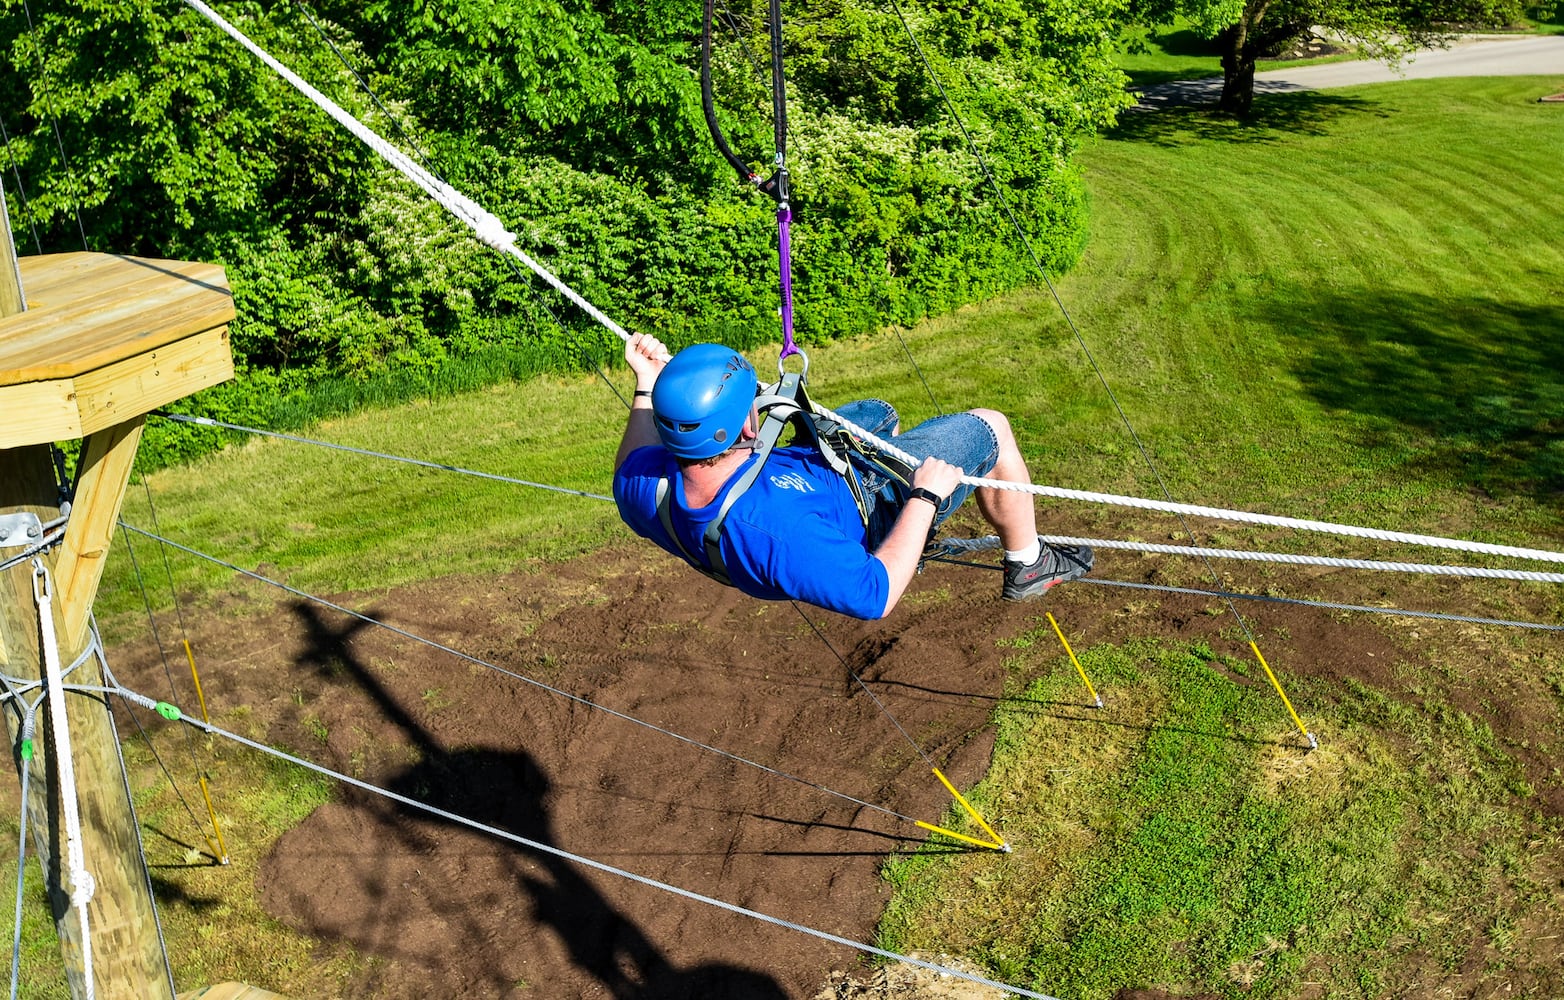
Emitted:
pixel 1384 29
pixel 166 137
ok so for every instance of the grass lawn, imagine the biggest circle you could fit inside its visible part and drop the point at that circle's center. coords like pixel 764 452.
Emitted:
pixel 1348 308
pixel 1181 840
pixel 1351 305
pixel 210 914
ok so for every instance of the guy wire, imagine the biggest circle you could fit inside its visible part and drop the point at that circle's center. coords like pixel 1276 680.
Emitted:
pixel 1069 320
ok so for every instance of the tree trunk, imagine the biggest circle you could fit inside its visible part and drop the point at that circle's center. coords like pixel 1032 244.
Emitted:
pixel 1238 62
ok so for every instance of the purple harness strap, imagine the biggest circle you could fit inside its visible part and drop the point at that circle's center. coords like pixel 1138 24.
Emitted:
pixel 785 265
pixel 777 184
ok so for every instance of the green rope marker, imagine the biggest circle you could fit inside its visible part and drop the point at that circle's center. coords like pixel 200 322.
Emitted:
pixel 169 712
pixel 27 749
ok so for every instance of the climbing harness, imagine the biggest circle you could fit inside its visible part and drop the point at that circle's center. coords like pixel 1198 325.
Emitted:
pixel 776 185
pixel 783 404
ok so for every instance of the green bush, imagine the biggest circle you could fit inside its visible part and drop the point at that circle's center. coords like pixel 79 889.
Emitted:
pixel 580 126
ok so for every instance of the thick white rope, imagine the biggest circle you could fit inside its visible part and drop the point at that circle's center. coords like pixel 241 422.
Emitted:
pixel 1327 527
pixel 953 546
pixel 492 231
pixel 483 223
pixel 82 884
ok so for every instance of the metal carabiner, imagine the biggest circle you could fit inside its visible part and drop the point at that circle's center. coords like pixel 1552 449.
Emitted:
pixel 782 369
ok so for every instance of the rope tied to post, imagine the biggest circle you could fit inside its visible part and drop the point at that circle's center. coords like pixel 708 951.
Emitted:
pixel 83 886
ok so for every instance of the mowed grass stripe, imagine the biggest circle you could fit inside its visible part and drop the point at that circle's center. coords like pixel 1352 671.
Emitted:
pixel 1365 349
pixel 1322 220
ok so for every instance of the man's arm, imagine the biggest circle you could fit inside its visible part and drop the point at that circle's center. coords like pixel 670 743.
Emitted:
pixel 646 356
pixel 903 547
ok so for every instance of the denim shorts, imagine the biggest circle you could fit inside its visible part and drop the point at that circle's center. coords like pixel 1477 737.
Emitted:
pixel 961 439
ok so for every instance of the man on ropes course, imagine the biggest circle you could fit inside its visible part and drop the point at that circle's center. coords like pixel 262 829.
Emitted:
pixel 821 521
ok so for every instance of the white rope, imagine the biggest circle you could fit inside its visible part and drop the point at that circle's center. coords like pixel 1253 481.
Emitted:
pixel 1407 538
pixel 82 884
pixel 953 546
pixel 484 224
pixel 492 231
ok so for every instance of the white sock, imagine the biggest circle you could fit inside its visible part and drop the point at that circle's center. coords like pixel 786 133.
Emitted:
pixel 1026 556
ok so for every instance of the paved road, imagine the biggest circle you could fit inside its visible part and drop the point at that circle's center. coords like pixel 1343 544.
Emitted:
pixel 1505 55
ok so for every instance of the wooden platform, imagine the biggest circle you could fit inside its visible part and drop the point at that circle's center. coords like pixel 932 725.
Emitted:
pixel 229 991
pixel 106 338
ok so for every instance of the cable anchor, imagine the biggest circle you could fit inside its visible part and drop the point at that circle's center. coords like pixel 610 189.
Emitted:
pixel 17 530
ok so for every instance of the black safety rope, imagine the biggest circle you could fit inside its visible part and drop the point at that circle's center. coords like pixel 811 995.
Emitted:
pixel 776 185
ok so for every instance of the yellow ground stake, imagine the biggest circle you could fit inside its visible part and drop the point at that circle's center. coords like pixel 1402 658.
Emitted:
pixel 1314 744
pixel 997 844
pixel 220 848
pixel 197 678
pixel 1079 669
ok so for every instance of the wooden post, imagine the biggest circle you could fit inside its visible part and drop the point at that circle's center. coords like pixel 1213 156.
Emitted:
pixel 127 959
pixel 107 340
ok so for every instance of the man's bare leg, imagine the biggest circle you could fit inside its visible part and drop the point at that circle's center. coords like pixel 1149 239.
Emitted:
pixel 1010 512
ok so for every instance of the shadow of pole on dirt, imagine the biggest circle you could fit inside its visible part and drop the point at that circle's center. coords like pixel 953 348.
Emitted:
pixel 506 789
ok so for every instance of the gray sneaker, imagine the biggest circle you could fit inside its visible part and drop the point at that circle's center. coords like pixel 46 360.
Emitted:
pixel 1056 564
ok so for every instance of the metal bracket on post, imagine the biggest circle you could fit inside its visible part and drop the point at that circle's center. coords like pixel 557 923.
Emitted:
pixel 18 530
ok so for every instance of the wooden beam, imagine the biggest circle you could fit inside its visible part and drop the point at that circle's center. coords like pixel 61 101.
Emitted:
pixel 26 485
pixel 11 304
pixel 230 991
pixel 62 409
pixel 11 299
pixel 106 460
pixel 40 412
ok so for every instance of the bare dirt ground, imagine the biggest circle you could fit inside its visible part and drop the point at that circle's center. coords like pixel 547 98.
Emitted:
pixel 445 911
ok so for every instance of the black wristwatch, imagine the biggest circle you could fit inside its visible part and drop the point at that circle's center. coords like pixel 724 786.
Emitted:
pixel 919 493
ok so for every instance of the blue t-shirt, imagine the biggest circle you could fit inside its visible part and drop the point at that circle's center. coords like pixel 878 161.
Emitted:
pixel 795 533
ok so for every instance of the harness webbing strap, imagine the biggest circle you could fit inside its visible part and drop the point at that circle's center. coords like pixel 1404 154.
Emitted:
pixel 779 406
pixel 665 515
pixel 713 535
pixel 782 404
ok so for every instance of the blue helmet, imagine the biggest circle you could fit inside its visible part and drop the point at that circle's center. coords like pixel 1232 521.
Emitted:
pixel 702 399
